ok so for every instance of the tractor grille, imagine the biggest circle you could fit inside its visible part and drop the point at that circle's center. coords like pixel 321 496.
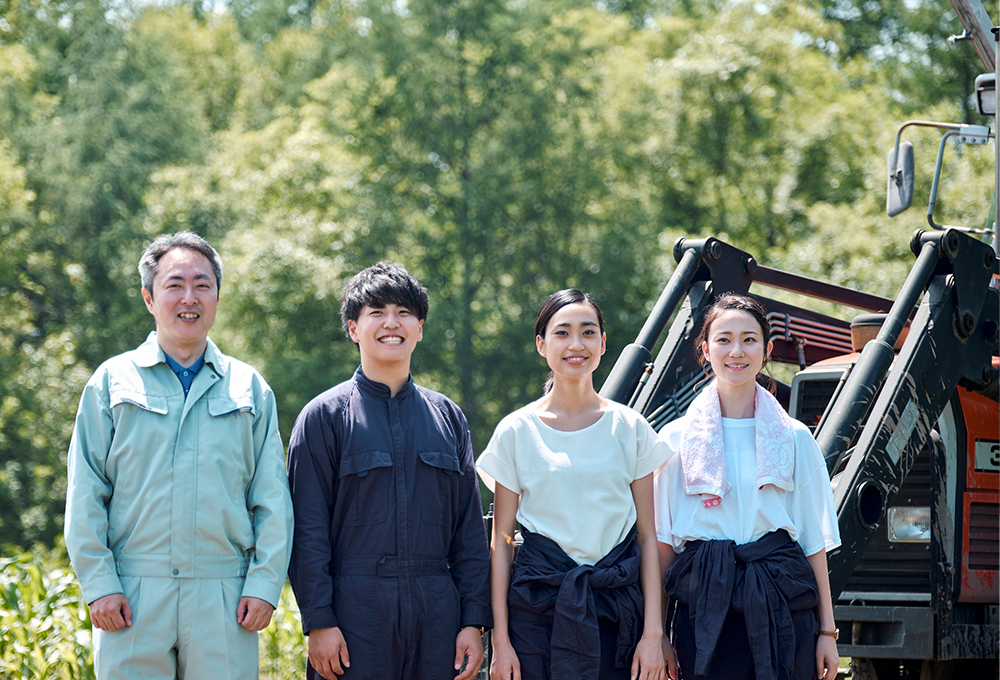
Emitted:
pixel 813 397
pixel 984 535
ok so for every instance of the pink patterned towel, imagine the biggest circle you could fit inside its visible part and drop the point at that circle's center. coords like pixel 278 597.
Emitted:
pixel 703 458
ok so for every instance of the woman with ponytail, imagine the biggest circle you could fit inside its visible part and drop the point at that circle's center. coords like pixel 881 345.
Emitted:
pixel 583 599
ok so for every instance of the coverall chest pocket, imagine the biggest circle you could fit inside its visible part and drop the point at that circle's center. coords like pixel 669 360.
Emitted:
pixel 229 470
pixel 438 478
pixel 365 483
pixel 133 461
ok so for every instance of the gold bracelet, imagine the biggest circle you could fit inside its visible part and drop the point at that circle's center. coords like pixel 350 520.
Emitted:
pixel 835 633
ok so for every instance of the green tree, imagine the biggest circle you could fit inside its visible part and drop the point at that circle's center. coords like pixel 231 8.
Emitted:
pixel 90 111
pixel 493 135
pixel 500 150
pixel 908 43
pixel 280 207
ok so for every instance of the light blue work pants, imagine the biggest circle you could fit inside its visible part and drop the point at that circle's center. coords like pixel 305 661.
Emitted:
pixel 182 629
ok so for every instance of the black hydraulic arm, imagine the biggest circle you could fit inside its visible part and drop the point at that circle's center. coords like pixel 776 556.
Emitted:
pixel 857 395
pixel 706 268
pixel 952 338
pixel 625 375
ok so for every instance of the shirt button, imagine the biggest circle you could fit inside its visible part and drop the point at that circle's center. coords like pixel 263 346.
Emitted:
pixel 185 373
pixel 176 571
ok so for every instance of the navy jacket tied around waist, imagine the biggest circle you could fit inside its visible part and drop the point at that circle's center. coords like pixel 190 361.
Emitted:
pixel 764 580
pixel 546 582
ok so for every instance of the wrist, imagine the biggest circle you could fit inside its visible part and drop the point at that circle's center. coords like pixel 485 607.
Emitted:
pixel 498 640
pixel 652 632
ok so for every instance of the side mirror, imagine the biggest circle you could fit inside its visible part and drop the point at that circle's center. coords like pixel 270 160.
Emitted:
pixel 986 94
pixel 899 194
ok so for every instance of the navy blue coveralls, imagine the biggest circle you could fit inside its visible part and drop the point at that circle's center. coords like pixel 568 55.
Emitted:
pixel 744 611
pixel 389 538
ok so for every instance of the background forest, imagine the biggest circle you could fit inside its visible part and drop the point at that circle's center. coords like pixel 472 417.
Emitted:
pixel 501 150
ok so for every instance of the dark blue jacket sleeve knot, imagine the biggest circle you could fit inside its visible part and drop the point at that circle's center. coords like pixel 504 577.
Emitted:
pixel 764 581
pixel 545 581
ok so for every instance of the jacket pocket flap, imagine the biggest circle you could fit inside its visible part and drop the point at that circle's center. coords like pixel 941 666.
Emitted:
pixel 227 406
pixel 363 462
pixel 444 460
pixel 147 402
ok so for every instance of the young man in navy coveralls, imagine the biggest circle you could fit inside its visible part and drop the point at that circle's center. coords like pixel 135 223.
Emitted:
pixel 390 561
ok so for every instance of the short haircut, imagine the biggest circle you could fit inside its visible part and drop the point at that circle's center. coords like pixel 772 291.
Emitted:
pixel 379 285
pixel 149 263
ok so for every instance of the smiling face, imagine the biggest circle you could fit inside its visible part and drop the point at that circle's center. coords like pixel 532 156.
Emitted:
pixel 573 342
pixel 183 301
pixel 735 348
pixel 386 336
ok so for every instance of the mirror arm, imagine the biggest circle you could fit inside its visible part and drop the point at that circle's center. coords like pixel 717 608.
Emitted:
pixel 896 175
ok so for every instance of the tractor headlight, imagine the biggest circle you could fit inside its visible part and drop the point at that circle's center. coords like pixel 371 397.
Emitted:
pixel 910 525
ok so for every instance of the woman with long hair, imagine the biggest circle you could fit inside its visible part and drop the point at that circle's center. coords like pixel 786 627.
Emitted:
pixel 583 599
pixel 745 517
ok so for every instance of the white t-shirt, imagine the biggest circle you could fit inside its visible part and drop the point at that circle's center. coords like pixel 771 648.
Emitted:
pixel 747 512
pixel 575 487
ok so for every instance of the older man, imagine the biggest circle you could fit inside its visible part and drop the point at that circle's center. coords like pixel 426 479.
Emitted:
pixel 178 516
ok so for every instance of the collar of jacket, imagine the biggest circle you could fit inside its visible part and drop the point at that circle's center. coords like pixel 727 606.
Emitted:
pixel 149 353
pixel 380 390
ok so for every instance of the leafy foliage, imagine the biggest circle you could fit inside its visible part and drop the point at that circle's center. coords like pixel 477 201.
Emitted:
pixel 91 111
pixel 501 150
pixel 46 623
pixel 283 650
pixel 47 631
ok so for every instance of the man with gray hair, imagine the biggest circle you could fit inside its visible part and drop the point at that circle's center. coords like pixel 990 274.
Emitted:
pixel 178 514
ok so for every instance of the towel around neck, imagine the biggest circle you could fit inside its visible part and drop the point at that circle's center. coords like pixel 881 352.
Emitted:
pixel 703 456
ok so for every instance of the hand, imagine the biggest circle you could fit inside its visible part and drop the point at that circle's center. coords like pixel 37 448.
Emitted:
pixel 328 652
pixel 253 614
pixel 670 656
pixel 647 663
pixel 505 665
pixel 827 659
pixel 468 645
pixel 111 612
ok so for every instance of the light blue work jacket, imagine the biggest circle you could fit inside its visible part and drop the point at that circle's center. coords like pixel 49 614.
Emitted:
pixel 168 487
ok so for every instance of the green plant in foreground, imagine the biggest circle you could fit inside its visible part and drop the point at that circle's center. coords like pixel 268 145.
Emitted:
pixel 282 645
pixel 46 629
pixel 45 622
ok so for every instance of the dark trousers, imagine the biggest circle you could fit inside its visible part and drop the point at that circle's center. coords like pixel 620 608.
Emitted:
pixel 397 628
pixel 733 660
pixel 532 640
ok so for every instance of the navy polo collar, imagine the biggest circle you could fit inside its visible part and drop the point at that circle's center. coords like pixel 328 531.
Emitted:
pixel 185 374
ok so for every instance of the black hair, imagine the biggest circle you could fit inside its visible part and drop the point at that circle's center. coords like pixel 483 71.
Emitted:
pixel 555 302
pixel 379 285
pixel 564 298
pixel 741 303
pixel 149 263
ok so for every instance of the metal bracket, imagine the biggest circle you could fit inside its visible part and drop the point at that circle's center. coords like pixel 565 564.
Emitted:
pixel 967 134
